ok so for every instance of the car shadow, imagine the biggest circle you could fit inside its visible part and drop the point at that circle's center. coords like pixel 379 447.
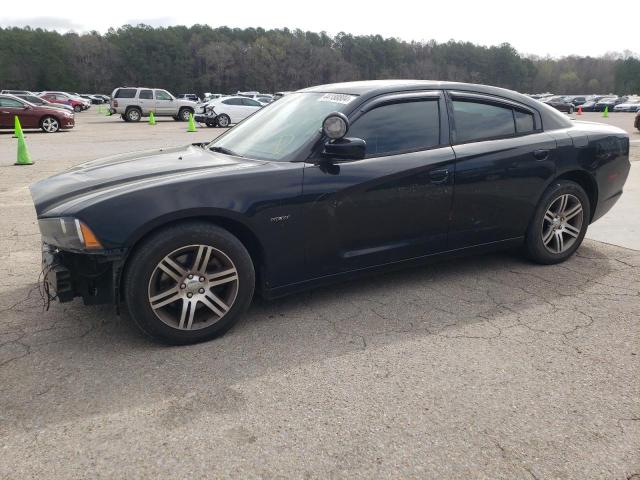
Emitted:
pixel 76 361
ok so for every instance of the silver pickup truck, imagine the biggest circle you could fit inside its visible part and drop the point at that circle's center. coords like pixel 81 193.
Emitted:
pixel 133 103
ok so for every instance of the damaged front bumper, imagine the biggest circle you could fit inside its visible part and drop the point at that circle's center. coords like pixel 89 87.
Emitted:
pixel 66 275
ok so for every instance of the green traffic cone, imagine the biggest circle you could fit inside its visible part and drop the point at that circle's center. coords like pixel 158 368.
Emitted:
pixel 192 124
pixel 23 153
pixel 605 114
pixel 152 119
pixel 17 128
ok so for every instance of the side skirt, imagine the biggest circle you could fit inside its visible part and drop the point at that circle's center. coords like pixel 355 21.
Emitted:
pixel 291 288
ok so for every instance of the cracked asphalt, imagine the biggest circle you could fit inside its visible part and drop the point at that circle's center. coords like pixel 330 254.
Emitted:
pixel 483 367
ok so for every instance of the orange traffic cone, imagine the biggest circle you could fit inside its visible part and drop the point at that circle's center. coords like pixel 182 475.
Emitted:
pixel 579 110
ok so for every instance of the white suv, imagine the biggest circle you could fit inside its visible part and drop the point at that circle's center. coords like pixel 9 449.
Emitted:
pixel 133 103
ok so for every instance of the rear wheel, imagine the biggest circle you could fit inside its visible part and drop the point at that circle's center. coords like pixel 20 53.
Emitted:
pixel 133 115
pixel 189 283
pixel 559 224
pixel 571 109
pixel 49 125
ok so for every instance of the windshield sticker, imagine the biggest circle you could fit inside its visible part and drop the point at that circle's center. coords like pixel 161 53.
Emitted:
pixel 336 98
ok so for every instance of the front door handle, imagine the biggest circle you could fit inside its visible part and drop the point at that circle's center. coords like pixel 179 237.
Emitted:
pixel 541 154
pixel 439 176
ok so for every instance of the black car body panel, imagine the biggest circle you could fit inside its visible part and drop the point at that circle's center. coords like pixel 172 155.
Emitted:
pixel 307 222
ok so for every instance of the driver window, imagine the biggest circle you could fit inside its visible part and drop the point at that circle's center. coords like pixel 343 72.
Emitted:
pixel 10 103
pixel 162 95
pixel 399 127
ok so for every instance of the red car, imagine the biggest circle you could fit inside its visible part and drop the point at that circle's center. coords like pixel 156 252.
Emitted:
pixel 49 119
pixel 66 99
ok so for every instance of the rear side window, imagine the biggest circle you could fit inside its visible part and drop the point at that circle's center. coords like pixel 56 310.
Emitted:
pixel 251 103
pixel 524 121
pixel 125 93
pixel 146 95
pixel 399 127
pixel 233 101
pixel 477 121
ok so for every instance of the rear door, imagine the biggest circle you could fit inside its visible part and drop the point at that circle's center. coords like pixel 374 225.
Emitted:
pixel 503 162
pixel 394 204
pixel 146 101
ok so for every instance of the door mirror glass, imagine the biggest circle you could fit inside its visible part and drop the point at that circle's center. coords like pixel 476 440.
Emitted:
pixel 345 149
pixel 335 125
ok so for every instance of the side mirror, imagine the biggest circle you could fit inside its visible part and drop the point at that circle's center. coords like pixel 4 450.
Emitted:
pixel 345 149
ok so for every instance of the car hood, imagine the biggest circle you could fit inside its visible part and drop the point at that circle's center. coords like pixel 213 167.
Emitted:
pixel 120 170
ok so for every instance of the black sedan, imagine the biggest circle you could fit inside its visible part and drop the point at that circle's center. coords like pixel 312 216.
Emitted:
pixel 328 183
pixel 560 103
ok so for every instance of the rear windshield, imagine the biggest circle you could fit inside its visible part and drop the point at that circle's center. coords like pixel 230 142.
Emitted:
pixel 125 93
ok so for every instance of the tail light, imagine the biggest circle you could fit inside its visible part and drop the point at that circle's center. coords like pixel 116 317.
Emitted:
pixel 115 103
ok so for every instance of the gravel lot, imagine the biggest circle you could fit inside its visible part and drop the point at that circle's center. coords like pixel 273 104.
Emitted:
pixel 485 367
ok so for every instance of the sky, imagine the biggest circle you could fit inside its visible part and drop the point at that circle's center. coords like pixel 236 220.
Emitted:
pixel 544 27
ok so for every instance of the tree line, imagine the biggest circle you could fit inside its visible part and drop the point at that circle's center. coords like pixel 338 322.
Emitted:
pixel 201 58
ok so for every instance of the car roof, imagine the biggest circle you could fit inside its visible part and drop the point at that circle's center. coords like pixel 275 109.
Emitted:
pixel 371 88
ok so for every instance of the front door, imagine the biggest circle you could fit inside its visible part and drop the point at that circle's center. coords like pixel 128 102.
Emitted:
pixel 10 108
pixel 165 105
pixel 392 205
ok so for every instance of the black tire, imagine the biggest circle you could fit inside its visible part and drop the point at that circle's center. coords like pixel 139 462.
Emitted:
pixel 142 264
pixel 77 108
pixel 183 114
pixel 535 246
pixel 570 110
pixel 211 123
pixel 133 115
pixel 223 120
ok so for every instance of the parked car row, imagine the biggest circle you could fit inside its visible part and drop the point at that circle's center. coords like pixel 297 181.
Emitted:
pixel 37 113
pixel 76 101
pixel 591 103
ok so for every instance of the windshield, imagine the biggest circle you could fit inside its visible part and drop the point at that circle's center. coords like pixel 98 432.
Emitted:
pixel 277 131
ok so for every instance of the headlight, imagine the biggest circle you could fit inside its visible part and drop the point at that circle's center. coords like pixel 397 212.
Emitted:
pixel 68 233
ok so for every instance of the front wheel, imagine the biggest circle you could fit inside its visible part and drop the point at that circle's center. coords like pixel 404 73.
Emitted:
pixel 570 110
pixel 49 125
pixel 559 224
pixel 77 108
pixel 189 283
pixel 223 120
pixel 184 114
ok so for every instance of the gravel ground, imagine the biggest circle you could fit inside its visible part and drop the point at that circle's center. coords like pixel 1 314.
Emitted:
pixel 484 367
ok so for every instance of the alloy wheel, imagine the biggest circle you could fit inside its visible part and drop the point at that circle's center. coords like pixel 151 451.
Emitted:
pixel 50 125
pixel 223 121
pixel 193 287
pixel 562 223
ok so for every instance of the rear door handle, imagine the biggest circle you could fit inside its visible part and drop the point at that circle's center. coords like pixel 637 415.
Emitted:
pixel 439 176
pixel 541 154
